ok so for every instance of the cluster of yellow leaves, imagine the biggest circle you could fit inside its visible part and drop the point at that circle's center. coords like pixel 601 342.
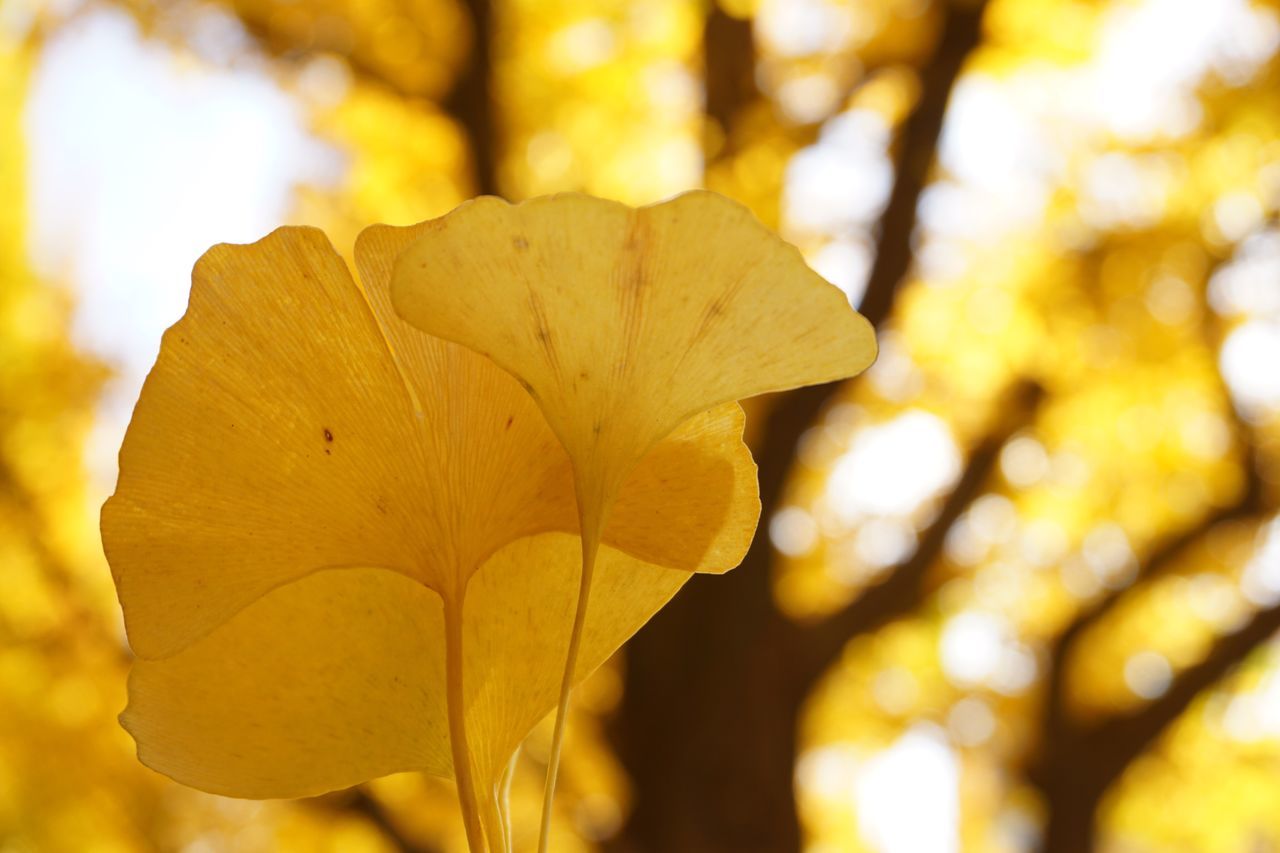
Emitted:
pixel 1137 439
pixel 405 162
pixel 415 46
pixel 598 97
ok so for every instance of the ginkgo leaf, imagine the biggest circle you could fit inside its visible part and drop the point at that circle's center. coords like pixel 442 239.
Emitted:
pixel 277 436
pixel 340 677
pixel 273 438
pixel 293 427
pixel 624 323
pixel 693 504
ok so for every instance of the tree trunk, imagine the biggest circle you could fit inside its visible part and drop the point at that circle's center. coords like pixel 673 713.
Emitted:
pixel 716 681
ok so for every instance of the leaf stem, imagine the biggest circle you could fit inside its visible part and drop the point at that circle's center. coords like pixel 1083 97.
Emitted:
pixel 458 724
pixel 590 545
pixel 496 808
pixel 496 827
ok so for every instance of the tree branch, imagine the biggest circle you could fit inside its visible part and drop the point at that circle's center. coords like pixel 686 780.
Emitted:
pixel 916 152
pixel 359 801
pixel 696 673
pixel 1122 739
pixel 729 63
pixel 1078 762
pixel 471 101
pixel 904 588
pixel 1082 762
pixel 917 149
pixel 277 44
pixel 1164 558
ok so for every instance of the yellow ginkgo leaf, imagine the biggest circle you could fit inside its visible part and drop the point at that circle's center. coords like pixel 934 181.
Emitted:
pixel 692 505
pixel 294 427
pixel 340 677
pixel 624 323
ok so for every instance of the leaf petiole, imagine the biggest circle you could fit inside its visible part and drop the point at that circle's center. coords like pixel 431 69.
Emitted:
pixel 458 725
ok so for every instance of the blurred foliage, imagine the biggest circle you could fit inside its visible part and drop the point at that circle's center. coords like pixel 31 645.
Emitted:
pixel 598 97
pixel 405 163
pixel 68 776
pixel 1212 785
pixel 1108 303
pixel 1105 233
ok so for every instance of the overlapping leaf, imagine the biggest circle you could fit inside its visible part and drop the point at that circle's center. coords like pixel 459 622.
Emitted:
pixel 623 324
pixel 310 487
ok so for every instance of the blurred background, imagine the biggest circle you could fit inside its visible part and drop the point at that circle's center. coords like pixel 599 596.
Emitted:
pixel 1017 588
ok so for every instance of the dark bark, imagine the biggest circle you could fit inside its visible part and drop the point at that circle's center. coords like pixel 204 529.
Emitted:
pixel 729 666
pixel 916 151
pixel 730 67
pixel 716 681
pixel 708 720
pixel 360 801
pixel 471 101
pixel 1077 761
pixel 1083 761
pixel 1123 739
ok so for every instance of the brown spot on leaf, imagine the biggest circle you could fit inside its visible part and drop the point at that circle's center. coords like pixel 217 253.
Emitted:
pixel 510 421
pixel 520 243
pixel 328 436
